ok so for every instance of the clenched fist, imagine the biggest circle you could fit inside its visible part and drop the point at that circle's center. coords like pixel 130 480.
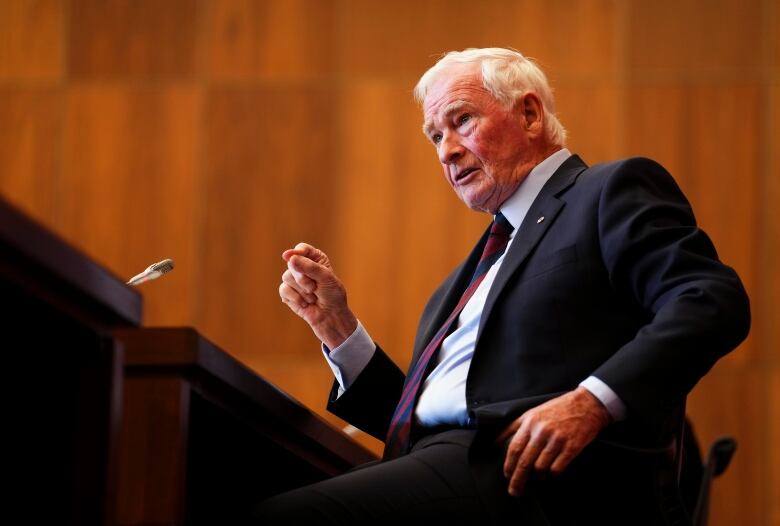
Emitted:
pixel 312 291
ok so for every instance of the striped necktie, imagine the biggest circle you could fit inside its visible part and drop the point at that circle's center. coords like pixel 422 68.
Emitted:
pixel 397 442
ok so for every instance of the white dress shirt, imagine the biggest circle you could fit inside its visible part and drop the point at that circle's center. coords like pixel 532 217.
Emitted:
pixel 443 395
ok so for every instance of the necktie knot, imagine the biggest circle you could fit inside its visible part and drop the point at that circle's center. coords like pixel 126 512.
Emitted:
pixel 500 231
pixel 501 226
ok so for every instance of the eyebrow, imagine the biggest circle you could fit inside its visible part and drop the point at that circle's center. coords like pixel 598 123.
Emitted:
pixel 449 109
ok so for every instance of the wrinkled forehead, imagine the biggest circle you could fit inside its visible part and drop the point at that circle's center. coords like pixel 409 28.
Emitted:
pixel 452 89
pixel 449 80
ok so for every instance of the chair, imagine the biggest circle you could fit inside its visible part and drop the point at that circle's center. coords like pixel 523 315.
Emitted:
pixel 696 478
pixel 718 459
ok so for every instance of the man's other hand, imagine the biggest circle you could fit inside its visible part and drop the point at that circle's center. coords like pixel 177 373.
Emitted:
pixel 546 438
pixel 312 291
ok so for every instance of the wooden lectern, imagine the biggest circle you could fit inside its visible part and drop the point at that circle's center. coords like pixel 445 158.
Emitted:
pixel 112 423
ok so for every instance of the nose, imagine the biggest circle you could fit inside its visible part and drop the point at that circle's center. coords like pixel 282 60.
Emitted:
pixel 450 149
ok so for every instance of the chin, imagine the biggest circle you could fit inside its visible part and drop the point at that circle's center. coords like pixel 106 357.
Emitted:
pixel 480 199
pixel 478 207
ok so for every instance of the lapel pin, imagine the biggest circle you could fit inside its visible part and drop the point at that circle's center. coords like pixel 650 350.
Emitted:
pixel 540 220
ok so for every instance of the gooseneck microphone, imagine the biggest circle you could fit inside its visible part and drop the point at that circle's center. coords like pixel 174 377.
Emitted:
pixel 153 272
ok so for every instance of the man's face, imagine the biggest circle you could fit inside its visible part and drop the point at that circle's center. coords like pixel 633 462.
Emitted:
pixel 484 148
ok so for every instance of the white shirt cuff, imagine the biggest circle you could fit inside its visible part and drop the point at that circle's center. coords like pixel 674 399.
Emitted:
pixel 608 397
pixel 349 359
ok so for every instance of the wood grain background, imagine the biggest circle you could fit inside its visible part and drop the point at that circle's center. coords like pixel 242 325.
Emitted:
pixel 220 132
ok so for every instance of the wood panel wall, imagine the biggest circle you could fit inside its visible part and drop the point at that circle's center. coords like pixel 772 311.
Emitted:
pixel 220 132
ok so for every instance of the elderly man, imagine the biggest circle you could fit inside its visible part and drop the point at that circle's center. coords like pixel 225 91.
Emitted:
pixel 550 369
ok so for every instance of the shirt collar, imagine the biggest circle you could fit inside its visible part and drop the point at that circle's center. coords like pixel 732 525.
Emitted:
pixel 516 207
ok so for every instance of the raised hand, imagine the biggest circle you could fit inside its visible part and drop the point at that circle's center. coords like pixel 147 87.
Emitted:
pixel 311 290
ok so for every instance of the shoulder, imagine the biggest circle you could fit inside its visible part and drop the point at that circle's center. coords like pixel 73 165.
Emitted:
pixel 633 175
pixel 630 166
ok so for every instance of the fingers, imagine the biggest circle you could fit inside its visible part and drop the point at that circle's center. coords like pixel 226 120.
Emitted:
pixel 524 467
pixel 310 281
pixel 514 450
pixel 301 284
pixel 308 266
pixel 562 461
pixel 296 290
pixel 509 431
pixel 292 298
pixel 307 251
pixel 538 454
pixel 301 249
pixel 548 455
pixel 523 452
pixel 308 273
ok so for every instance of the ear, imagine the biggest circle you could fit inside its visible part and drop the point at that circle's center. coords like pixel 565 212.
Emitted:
pixel 530 110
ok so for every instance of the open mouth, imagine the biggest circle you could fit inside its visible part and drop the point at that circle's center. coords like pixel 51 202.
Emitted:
pixel 464 174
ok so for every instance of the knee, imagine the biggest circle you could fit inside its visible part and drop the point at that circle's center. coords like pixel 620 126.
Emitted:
pixel 293 507
pixel 267 511
pixel 274 510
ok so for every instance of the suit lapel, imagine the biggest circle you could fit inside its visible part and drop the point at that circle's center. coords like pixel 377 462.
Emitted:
pixel 535 225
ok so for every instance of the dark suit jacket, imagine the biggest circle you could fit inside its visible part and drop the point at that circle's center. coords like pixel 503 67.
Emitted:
pixel 608 275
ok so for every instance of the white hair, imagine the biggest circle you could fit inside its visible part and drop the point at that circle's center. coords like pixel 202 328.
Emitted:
pixel 507 75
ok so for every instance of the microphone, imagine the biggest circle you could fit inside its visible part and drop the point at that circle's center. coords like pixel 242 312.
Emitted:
pixel 153 272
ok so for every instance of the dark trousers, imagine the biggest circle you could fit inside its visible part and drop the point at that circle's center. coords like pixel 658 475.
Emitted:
pixel 442 480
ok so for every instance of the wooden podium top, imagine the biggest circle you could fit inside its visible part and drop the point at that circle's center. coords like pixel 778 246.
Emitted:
pixel 184 353
pixel 50 268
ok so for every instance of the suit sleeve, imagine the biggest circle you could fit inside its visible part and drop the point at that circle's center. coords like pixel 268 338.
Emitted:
pixel 661 261
pixel 370 401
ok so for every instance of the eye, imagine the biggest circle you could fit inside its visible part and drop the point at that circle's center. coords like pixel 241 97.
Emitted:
pixel 464 118
pixel 436 138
